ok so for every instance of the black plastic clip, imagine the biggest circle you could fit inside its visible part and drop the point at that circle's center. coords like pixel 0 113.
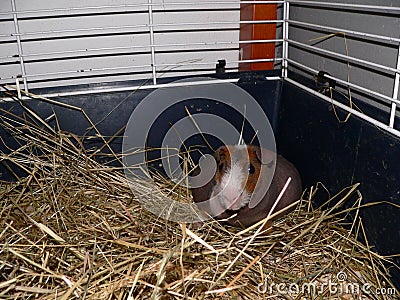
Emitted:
pixel 220 67
pixel 322 80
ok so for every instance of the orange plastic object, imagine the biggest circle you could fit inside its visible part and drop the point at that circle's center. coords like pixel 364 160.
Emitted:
pixel 252 12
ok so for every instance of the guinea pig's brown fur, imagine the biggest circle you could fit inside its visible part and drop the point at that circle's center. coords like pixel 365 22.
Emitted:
pixel 238 188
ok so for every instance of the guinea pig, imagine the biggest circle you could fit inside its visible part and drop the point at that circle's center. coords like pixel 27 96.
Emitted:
pixel 239 169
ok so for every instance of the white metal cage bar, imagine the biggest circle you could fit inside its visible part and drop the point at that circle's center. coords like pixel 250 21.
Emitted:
pixel 375 68
pixel 364 62
pixel 18 40
pixel 359 7
pixel 142 26
pixel 152 47
pixel 285 33
pixel 388 99
pixel 395 102
pixel 139 5
pixel 355 33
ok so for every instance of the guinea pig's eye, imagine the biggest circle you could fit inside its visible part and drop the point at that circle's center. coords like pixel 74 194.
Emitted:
pixel 251 169
pixel 221 167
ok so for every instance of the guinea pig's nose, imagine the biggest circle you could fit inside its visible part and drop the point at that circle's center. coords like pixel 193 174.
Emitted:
pixel 232 199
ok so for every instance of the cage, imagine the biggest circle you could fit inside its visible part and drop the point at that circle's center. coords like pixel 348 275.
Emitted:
pixel 325 73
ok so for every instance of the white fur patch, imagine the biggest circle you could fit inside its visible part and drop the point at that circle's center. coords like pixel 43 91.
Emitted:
pixel 241 146
pixel 233 194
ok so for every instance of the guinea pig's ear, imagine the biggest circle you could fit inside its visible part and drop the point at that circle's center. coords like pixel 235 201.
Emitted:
pixel 265 156
pixel 219 153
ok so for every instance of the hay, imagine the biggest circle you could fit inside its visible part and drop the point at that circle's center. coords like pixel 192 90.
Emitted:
pixel 72 229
